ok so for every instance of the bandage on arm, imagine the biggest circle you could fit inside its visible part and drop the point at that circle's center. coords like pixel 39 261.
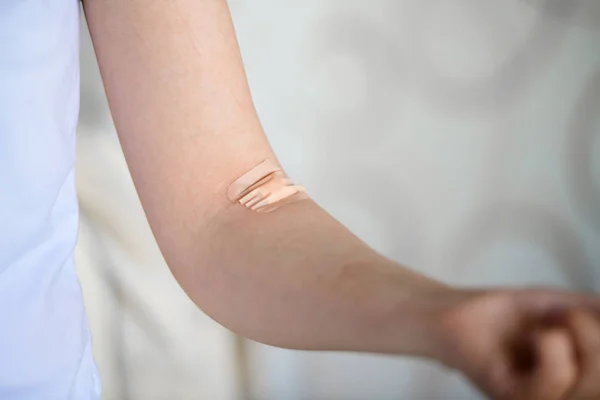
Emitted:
pixel 265 188
pixel 185 118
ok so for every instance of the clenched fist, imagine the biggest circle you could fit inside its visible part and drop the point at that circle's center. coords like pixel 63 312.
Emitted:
pixel 525 344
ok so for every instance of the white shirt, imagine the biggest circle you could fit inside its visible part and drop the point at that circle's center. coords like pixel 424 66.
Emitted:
pixel 45 350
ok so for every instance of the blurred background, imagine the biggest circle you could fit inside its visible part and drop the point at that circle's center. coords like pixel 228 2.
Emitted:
pixel 476 123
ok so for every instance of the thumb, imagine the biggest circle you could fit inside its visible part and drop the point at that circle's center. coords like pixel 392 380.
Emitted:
pixel 555 370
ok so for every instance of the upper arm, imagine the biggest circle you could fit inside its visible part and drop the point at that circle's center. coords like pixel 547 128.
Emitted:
pixel 181 105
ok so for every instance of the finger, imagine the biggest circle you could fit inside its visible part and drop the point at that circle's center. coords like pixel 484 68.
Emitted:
pixel 553 299
pixel 555 370
pixel 585 330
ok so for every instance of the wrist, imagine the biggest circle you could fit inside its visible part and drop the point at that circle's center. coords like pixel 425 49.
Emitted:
pixel 421 319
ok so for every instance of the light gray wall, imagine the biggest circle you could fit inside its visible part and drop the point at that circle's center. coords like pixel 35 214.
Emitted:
pixel 459 137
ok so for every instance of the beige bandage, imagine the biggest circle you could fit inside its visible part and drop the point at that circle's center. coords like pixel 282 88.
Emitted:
pixel 265 188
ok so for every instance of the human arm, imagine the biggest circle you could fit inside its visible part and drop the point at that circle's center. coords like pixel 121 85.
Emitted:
pixel 294 278
pixel 181 104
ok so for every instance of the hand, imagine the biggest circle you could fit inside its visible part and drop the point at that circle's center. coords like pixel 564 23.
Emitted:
pixel 525 344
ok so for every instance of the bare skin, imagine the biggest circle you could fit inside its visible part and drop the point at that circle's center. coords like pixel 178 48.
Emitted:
pixel 296 278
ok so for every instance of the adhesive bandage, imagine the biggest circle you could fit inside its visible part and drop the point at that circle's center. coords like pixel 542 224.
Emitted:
pixel 265 188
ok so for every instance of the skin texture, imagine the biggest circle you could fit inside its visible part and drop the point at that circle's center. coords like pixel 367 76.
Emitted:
pixel 297 278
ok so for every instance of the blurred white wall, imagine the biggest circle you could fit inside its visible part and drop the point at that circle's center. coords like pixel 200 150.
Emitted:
pixel 475 127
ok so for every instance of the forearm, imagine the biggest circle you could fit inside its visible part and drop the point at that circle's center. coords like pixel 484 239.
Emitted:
pixel 297 278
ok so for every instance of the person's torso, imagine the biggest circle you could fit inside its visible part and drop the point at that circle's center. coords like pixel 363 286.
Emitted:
pixel 44 340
